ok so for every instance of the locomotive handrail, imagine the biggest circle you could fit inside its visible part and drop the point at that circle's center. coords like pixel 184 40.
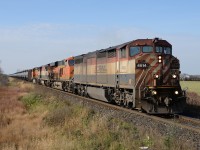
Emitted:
pixel 137 83
pixel 142 82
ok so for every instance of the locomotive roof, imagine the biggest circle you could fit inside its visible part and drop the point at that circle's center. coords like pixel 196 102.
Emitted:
pixel 102 50
pixel 133 42
pixel 117 46
pixel 151 42
pixel 138 42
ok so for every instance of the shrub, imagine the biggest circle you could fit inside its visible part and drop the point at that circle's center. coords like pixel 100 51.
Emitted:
pixel 168 142
pixel 87 118
pixel 31 100
pixel 58 116
pixel 4 120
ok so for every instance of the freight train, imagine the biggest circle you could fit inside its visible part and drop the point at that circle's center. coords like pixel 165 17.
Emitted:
pixel 140 74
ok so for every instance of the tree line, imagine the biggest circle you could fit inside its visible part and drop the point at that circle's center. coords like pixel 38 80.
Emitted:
pixel 3 78
pixel 190 77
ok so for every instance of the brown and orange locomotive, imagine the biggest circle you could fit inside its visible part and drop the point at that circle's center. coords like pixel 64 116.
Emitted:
pixel 140 74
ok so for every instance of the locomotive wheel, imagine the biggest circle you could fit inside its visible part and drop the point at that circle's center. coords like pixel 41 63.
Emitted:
pixel 64 86
pixel 130 105
pixel 110 99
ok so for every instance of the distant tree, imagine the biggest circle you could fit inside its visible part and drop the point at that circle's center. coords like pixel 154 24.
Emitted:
pixel 0 68
pixel 3 78
pixel 1 72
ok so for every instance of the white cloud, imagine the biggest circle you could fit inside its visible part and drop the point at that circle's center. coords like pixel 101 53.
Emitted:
pixel 34 45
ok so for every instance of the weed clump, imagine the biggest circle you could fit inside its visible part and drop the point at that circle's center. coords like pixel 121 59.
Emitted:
pixel 4 120
pixel 168 142
pixel 58 116
pixel 31 100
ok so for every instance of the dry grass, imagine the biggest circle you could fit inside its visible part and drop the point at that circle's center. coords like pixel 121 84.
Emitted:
pixel 18 128
pixel 39 121
pixel 193 92
pixel 23 86
pixel 193 98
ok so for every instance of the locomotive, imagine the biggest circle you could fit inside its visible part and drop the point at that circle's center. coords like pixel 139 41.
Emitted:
pixel 140 74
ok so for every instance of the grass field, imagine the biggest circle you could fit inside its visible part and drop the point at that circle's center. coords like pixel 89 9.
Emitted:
pixel 193 86
pixel 32 119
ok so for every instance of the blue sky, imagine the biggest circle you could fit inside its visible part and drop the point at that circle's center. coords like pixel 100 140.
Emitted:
pixel 37 32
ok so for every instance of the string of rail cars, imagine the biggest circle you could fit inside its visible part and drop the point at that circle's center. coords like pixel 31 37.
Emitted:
pixel 140 74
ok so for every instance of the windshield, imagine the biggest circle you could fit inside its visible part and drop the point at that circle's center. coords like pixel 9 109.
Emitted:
pixel 71 62
pixel 134 50
pixel 158 49
pixel 147 49
pixel 165 50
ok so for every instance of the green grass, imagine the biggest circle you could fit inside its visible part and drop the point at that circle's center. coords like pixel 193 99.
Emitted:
pixel 193 86
pixel 31 100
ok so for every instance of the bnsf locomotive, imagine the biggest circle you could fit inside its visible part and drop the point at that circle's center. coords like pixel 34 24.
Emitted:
pixel 140 74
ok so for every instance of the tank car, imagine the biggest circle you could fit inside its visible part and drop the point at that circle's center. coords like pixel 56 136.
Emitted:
pixel 21 74
pixel 140 74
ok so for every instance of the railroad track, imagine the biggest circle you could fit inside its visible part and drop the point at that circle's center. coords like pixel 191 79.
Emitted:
pixel 188 121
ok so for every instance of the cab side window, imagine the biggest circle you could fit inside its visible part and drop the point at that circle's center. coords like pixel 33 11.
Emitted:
pixel 61 71
pixel 123 53
pixel 158 49
pixel 134 50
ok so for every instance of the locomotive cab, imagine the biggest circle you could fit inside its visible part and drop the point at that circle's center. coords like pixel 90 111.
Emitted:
pixel 158 87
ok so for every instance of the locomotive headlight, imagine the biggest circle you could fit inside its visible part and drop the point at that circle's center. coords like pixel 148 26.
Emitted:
pixel 156 76
pixel 174 76
pixel 154 92
pixel 159 59
pixel 176 92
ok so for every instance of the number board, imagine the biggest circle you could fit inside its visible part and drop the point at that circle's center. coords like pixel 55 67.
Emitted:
pixel 142 65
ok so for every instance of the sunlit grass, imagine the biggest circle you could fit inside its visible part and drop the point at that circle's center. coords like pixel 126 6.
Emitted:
pixel 193 86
